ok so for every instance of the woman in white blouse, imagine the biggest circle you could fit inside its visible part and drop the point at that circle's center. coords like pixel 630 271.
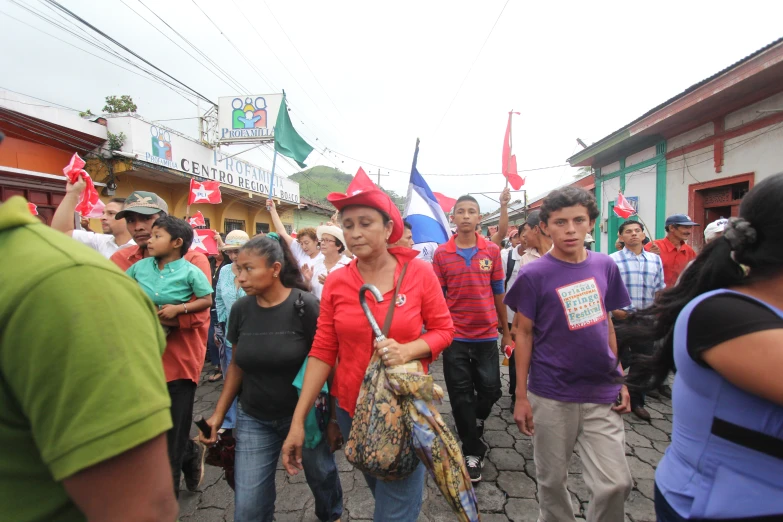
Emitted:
pixel 332 244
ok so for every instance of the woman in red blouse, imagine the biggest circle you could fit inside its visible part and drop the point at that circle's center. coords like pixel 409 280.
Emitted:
pixel 370 220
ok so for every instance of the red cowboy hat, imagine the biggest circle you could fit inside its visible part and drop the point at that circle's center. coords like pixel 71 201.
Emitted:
pixel 373 198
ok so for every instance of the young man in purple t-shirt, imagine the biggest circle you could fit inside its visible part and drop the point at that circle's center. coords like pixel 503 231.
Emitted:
pixel 566 359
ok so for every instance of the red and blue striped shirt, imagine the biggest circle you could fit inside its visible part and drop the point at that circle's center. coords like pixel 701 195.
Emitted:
pixel 470 281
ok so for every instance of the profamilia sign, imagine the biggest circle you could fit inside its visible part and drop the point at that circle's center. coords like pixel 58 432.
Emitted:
pixel 248 118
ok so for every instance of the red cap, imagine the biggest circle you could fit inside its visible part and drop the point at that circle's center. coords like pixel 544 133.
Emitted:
pixel 373 198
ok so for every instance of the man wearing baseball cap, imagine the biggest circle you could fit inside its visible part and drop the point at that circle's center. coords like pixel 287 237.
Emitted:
pixel 675 253
pixel 186 345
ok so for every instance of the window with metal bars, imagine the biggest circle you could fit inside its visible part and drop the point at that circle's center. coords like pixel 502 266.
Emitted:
pixel 233 224
pixel 262 228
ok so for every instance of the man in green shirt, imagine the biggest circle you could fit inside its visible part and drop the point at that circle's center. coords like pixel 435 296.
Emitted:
pixel 84 408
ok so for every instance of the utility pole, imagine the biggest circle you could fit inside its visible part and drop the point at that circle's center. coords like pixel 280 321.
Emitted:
pixel 379 177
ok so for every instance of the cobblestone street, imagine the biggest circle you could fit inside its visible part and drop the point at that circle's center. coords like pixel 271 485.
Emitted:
pixel 507 492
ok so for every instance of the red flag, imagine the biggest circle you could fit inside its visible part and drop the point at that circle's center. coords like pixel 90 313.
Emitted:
pixel 445 202
pixel 33 208
pixel 89 198
pixel 510 160
pixel 204 192
pixel 197 220
pixel 623 207
pixel 204 242
pixel 361 183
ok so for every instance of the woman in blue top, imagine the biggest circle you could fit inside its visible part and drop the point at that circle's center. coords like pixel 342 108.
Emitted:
pixel 721 326
pixel 227 291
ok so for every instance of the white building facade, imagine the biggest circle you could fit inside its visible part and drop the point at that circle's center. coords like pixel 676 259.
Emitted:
pixel 697 153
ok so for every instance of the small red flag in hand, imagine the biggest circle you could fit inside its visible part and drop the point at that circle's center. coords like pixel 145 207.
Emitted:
pixel 197 220
pixel 204 242
pixel 623 207
pixel 33 208
pixel 446 203
pixel 510 160
pixel 89 198
pixel 204 192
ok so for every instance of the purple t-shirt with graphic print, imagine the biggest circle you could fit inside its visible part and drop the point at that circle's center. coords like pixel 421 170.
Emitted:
pixel 568 304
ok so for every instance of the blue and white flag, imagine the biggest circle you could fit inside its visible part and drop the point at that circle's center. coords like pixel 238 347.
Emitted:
pixel 422 210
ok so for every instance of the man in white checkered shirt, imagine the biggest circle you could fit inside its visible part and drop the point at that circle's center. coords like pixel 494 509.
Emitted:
pixel 642 273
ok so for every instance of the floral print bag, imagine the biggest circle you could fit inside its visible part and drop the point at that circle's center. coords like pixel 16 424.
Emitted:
pixel 380 442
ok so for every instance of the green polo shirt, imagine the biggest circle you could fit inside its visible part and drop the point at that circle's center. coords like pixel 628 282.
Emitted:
pixel 81 378
pixel 175 284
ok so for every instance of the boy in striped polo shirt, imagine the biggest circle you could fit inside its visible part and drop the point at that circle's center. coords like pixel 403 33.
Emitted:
pixel 470 271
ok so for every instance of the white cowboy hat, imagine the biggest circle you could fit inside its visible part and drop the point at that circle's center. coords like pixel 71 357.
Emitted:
pixel 332 230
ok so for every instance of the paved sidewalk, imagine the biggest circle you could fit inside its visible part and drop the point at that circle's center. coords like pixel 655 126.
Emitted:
pixel 507 493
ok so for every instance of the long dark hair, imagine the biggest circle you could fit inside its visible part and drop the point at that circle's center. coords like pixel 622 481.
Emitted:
pixel 750 250
pixel 276 251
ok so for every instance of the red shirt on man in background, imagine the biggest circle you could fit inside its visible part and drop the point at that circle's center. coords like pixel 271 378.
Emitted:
pixel 675 253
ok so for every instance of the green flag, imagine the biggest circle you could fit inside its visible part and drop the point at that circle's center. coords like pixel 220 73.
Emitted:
pixel 288 142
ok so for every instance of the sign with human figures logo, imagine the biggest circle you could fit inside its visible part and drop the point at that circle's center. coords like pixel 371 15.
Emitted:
pixel 248 118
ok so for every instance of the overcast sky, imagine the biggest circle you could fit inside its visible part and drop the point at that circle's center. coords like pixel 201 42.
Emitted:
pixel 369 77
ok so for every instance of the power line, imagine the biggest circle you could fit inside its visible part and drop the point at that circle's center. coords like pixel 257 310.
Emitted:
pixel 199 51
pixel 302 57
pixel 178 45
pixel 152 77
pixel 252 26
pixel 470 68
pixel 259 73
pixel 126 49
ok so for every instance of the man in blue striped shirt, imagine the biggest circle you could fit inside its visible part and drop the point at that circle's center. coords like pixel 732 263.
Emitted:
pixel 642 273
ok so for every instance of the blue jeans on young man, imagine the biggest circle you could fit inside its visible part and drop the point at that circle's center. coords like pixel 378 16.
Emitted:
pixel 256 456
pixel 472 372
pixel 395 500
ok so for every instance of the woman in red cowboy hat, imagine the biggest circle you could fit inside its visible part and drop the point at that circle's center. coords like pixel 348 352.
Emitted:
pixel 370 221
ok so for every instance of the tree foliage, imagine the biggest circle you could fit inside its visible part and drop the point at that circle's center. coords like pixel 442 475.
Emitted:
pixel 122 103
pixel 86 114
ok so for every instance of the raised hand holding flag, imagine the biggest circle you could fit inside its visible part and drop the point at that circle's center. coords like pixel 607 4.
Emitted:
pixel 197 220
pixel 89 199
pixel 204 192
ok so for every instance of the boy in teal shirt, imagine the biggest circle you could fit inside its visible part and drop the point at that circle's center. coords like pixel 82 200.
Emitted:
pixel 167 278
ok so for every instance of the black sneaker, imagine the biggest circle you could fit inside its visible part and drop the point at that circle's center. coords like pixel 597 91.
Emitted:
pixel 480 428
pixel 194 469
pixel 474 465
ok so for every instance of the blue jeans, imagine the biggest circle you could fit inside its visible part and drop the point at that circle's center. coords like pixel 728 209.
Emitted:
pixel 225 359
pixel 395 501
pixel 257 452
pixel 212 349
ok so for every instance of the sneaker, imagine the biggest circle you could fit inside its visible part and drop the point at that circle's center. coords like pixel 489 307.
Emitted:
pixel 474 465
pixel 194 469
pixel 665 390
pixel 640 412
pixel 480 428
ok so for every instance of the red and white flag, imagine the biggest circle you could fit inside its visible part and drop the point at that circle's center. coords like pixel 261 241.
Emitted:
pixel 623 207
pixel 446 203
pixel 33 208
pixel 510 160
pixel 204 192
pixel 90 198
pixel 204 242
pixel 197 220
